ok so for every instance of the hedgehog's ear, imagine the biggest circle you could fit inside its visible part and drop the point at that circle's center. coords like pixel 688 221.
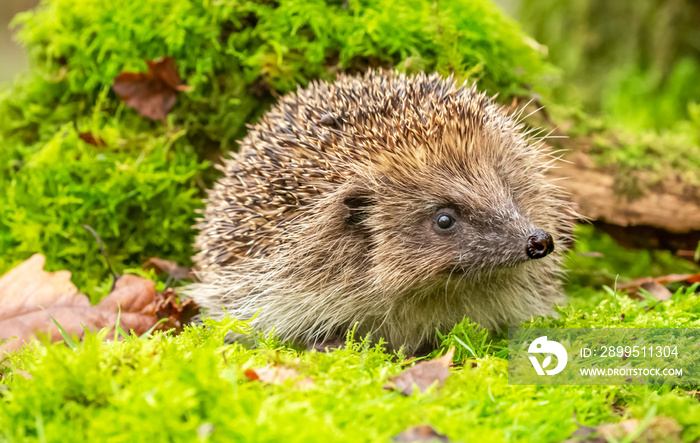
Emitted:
pixel 357 203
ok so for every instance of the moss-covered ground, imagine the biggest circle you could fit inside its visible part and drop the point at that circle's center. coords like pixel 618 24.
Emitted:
pixel 140 192
pixel 192 387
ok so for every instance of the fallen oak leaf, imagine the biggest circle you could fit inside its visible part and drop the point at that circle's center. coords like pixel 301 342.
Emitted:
pixel 32 301
pixel 664 279
pixel 171 268
pixel 694 393
pixel 673 278
pixel 657 290
pixel 176 313
pixel 142 308
pixel 153 93
pixel 660 428
pixel 24 290
pixel 133 301
pixel 89 138
pixel 277 374
pixel 633 287
pixel 688 255
pixel 29 277
pixel 423 375
pixel 420 433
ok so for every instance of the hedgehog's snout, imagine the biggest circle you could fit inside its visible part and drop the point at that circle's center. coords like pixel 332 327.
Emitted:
pixel 539 244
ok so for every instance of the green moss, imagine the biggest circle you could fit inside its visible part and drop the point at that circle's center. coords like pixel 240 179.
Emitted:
pixel 238 55
pixel 192 387
pixel 140 192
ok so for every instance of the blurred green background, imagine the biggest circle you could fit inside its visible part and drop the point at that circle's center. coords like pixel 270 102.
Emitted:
pixel 12 57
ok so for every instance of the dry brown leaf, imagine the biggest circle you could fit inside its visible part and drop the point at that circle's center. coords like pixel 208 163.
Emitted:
pixel 686 254
pixel 420 433
pixel 177 314
pixel 278 374
pixel 89 138
pixel 152 93
pixel 661 428
pixel 30 297
pixel 650 282
pixel 694 393
pixel 423 375
pixel 657 290
pixel 171 268
pixel 136 296
pixel 27 288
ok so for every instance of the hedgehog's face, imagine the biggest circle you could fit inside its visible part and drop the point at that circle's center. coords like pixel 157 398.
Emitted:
pixel 438 224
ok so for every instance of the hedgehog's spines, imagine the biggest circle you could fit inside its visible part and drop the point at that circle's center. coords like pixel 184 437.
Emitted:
pixel 304 226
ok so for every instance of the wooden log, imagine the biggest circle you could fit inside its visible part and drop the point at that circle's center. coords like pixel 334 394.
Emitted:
pixel 665 216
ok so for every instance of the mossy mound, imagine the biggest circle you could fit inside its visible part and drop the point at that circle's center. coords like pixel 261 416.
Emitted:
pixel 141 190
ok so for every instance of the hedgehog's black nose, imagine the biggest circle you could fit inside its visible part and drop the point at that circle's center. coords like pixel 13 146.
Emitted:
pixel 539 244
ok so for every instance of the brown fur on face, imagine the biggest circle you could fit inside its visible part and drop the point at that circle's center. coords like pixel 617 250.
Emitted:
pixel 328 215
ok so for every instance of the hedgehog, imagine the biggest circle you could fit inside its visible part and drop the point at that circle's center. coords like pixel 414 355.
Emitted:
pixel 393 205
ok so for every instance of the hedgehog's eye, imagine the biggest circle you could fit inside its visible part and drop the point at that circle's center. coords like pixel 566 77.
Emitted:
pixel 444 221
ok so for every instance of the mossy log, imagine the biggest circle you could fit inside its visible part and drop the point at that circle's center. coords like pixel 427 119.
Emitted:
pixel 665 216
